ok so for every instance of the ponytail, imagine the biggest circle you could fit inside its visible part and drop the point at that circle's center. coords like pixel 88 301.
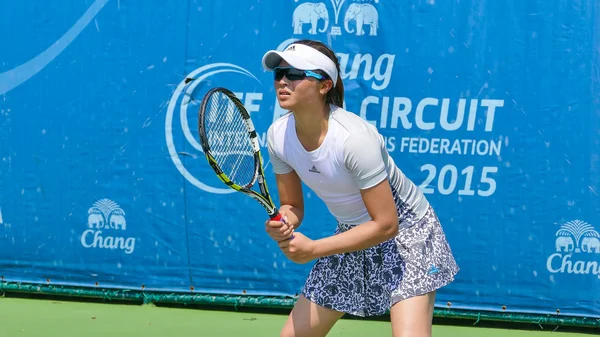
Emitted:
pixel 335 95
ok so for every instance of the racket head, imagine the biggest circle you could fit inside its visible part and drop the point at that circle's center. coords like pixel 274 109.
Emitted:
pixel 230 144
pixel 228 138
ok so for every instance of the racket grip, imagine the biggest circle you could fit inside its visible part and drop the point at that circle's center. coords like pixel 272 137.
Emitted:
pixel 278 217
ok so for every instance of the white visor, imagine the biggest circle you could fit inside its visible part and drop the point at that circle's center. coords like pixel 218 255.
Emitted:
pixel 301 57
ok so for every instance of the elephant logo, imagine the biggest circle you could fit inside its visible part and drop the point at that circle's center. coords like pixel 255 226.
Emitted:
pixel 361 14
pixel 577 236
pixel 104 216
pixel 106 213
pixel 564 244
pixel 95 218
pixel 310 13
pixel 117 219
pixel 590 245
pixel 577 242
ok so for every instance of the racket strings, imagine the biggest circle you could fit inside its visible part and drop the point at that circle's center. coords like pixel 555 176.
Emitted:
pixel 229 141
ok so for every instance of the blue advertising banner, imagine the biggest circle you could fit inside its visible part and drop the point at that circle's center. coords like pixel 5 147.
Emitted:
pixel 491 108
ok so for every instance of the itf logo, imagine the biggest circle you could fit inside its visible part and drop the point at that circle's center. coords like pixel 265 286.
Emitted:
pixel 577 250
pixel 185 102
pixel 360 18
pixel 106 215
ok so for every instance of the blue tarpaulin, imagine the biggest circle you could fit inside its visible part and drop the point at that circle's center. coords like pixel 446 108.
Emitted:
pixel 490 107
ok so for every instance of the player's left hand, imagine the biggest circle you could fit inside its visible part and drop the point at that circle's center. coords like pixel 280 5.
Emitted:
pixel 300 249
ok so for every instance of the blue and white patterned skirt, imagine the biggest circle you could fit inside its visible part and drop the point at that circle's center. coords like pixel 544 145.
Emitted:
pixel 368 282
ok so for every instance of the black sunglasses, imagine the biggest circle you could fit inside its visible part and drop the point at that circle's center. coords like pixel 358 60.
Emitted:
pixel 294 74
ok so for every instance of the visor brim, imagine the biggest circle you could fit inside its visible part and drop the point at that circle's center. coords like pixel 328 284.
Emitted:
pixel 273 58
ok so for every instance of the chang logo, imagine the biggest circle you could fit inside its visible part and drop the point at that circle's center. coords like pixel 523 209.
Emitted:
pixel 105 228
pixel 361 17
pixel 577 247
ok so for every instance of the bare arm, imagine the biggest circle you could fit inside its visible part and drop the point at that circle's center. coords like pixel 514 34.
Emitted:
pixel 383 226
pixel 289 187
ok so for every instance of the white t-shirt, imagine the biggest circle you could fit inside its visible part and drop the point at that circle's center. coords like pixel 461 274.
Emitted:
pixel 352 156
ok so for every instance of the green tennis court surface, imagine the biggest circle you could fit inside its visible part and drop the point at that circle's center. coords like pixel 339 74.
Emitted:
pixel 51 318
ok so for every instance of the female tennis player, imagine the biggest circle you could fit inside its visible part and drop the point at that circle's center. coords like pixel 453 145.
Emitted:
pixel 389 251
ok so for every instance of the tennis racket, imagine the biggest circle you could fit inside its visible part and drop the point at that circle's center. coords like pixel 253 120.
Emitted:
pixel 230 144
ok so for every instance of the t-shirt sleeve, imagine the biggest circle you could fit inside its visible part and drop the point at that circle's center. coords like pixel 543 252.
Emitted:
pixel 363 158
pixel 279 166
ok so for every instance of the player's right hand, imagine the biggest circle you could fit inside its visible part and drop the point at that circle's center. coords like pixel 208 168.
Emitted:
pixel 279 230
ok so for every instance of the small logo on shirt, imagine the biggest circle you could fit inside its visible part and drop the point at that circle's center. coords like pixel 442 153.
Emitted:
pixel 314 170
